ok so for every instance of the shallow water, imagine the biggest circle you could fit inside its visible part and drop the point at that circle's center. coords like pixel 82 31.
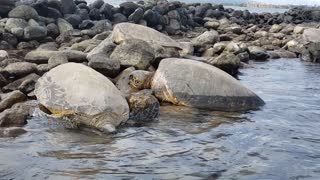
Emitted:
pixel 280 141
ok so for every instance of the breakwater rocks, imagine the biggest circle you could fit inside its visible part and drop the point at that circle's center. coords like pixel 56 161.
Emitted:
pixel 78 60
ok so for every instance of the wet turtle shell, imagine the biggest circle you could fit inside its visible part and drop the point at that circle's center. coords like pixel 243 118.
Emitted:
pixel 124 31
pixel 200 85
pixel 83 95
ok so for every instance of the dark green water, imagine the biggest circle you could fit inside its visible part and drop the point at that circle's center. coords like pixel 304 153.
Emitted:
pixel 280 141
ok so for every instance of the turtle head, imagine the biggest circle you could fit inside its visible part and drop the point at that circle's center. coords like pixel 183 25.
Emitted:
pixel 140 79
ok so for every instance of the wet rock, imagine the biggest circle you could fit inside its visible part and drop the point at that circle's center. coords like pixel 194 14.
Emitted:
pixel 207 38
pixel 106 66
pixel 35 32
pixel 41 56
pixel 11 132
pixel 23 12
pixel 282 54
pixel 258 53
pixel 227 62
pixel 25 84
pixel 19 69
pixel 144 107
pixel 134 52
pixel 17 115
pixel 9 99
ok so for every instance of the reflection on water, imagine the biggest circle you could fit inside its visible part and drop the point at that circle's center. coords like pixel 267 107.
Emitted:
pixel 280 141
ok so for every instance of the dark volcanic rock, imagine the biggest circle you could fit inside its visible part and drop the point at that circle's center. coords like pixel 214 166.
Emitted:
pixel 128 8
pixel 24 12
pixel 68 6
pixel 106 66
pixel 136 16
pixel 119 18
pixel 73 19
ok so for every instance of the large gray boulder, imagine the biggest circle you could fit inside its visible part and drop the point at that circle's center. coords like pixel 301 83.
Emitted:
pixel 97 102
pixel 19 69
pixel 258 53
pixel 206 38
pixel 106 66
pixel 227 62
pixel 23 12
pixel 134 52
pixel 9 99
pixel 195 84
pixel 64 26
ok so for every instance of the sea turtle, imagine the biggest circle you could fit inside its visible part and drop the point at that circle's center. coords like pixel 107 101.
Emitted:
pixel 200 85
pixel 140 79
pixel 124 31
pixel 82 96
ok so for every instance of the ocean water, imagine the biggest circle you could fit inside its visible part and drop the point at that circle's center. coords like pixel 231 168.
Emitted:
pixel 278 142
